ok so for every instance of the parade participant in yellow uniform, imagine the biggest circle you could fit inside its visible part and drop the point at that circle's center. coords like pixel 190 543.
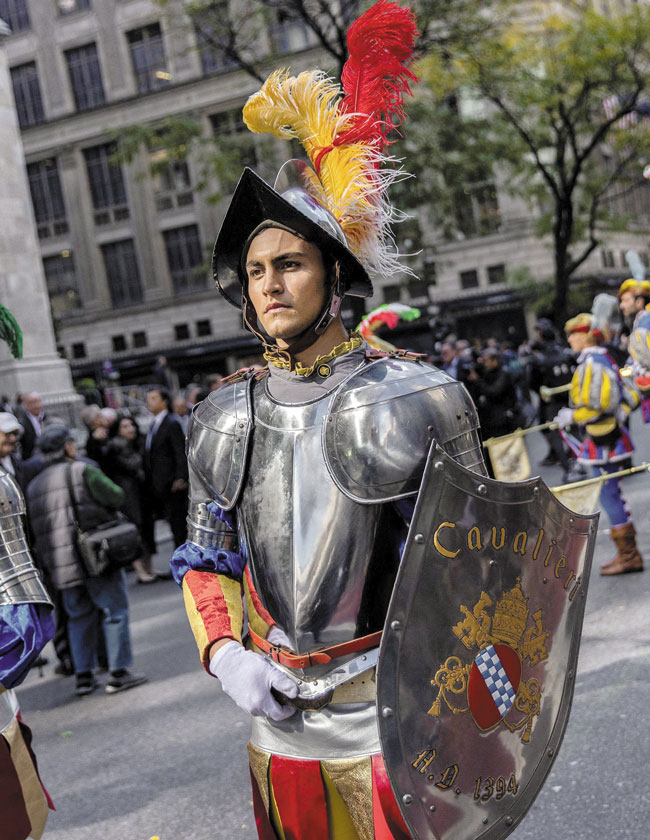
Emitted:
pixel 303 475
pixel 600 403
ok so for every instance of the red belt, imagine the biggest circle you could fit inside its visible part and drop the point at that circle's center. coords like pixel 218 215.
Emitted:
pixel 322 656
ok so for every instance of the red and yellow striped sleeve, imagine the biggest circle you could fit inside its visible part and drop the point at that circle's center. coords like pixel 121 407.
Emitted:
pixel 214 608
pixel 258 617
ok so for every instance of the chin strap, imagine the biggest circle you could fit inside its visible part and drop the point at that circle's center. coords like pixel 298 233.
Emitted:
pixel 284 358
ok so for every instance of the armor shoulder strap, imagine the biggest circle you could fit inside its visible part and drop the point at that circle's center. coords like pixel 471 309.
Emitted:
pixel 217 440
pixel 381 422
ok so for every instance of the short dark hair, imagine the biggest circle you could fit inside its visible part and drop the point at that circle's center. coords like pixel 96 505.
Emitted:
pixel 164 393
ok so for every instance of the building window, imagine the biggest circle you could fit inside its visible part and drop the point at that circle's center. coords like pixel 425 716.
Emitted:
pixel 14 12
pixel 418 289
pixel 203 328
pixel 181 331
pixel 61 280
pixel 469 279
pixel 289 34
pixel 85 77
pixel 212 55
pixel 391 293
pixel 237 144
pixel 47 198
pixel 171 181
pixel 185 259
pixel 106 185
pixel 27 93
pixel 122 273
pixel 148 58
pixel 477 209
pixel 496 274
pixel 79 350
pixel 430 272
pixel 139 339
pixel 69 7
pixel 607 257
pixel 119 343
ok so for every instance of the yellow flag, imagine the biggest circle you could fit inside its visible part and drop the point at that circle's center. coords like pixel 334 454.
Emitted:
pixel 509 457
pixel 580 498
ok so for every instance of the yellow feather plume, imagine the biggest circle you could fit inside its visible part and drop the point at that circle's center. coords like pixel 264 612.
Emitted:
pixel 351 182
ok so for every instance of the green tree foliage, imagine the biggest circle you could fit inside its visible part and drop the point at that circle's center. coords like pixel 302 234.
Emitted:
pixel 519 89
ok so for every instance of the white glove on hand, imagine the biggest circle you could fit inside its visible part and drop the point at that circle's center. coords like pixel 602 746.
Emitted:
pixel 278 637
pixel 564 417
pixel 247 678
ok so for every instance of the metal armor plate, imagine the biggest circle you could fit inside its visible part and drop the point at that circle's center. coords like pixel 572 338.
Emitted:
pixel 322 582
pixel 218 438
pixel 478 658
pixel 381 424
pixel 20 580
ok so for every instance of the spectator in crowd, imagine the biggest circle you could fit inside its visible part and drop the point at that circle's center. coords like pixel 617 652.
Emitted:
pixel 10 433
pixel 193 394
pixel 165 466
pixel 551 365
pixel 449 360
pixel 52 519
pixel 98 439
pixel 494 395
pixel 124 464
pixel 215 381
pixel 182 412
pixel 162 375
pixel 31 417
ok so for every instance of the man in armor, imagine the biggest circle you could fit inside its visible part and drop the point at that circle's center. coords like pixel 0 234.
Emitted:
pixel 26 625
pixel 303 477
pixel 601 402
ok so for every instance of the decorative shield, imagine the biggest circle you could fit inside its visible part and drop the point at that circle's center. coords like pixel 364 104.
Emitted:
pixel 478 658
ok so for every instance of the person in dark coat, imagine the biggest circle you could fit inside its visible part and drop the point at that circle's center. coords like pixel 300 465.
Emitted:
pixel 124 464
pixel 165 465
pixel 31 418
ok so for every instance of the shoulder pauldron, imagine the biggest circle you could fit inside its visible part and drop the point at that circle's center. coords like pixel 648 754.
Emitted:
pixel 381 423
pixel 218 439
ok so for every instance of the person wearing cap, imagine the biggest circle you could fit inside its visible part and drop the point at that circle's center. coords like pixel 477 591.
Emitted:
pixel 303 475
pixel 600 402
pixel 52 518
pixel 11 432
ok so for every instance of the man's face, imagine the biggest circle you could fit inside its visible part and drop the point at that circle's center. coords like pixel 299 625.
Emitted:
pixel 628 303
pixel 286 283
pixel 155 402
pixel 490 362
pixel 447 353
pixel 180 407
pixel 8 441
pixel 33 404
pixel 578 341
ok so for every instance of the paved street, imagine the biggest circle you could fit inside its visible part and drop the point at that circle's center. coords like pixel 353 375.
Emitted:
pixel 167 759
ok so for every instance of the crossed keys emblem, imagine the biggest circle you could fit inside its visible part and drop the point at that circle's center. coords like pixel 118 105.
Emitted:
pixel 491 685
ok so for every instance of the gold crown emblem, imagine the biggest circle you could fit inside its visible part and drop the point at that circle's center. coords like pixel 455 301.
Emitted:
pixel 510 617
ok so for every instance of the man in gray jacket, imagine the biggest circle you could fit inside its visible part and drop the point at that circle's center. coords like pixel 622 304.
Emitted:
pixel 53 526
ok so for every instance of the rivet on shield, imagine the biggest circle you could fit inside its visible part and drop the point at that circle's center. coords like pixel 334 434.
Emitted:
pixel 571 675
pixel 419 538
pixel 535 491
pixel 572 521
pixel 407 799
pixel 387 712
pixel 545 580
pixel 485 820
pixel 439 465
pixel 493 562
pixel 509 821
pixel 482 489
pixel 550 753
pixel 432 808
pixel 395 625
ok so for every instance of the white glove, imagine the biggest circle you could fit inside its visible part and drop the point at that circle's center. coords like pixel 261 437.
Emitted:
pixel 564 417
pixel 247 678
pixel 278 637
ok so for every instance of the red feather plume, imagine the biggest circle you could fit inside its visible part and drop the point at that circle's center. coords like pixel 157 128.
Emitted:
pixel 376 78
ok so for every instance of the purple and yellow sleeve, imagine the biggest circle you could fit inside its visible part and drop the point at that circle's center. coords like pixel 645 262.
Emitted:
pixel 214 608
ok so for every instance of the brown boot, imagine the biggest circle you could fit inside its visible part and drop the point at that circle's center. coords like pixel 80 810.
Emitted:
pixel 627 557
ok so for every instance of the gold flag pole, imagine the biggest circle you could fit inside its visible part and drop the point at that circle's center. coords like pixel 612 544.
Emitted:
pixel 604 477
pixel 521 432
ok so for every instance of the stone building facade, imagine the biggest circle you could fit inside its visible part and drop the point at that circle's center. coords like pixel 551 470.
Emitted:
pixel 125 253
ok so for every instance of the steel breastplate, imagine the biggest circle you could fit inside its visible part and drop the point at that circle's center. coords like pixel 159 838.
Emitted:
pixel 323 583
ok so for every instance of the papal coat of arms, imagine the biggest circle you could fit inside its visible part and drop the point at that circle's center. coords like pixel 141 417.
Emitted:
pixel 495 682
